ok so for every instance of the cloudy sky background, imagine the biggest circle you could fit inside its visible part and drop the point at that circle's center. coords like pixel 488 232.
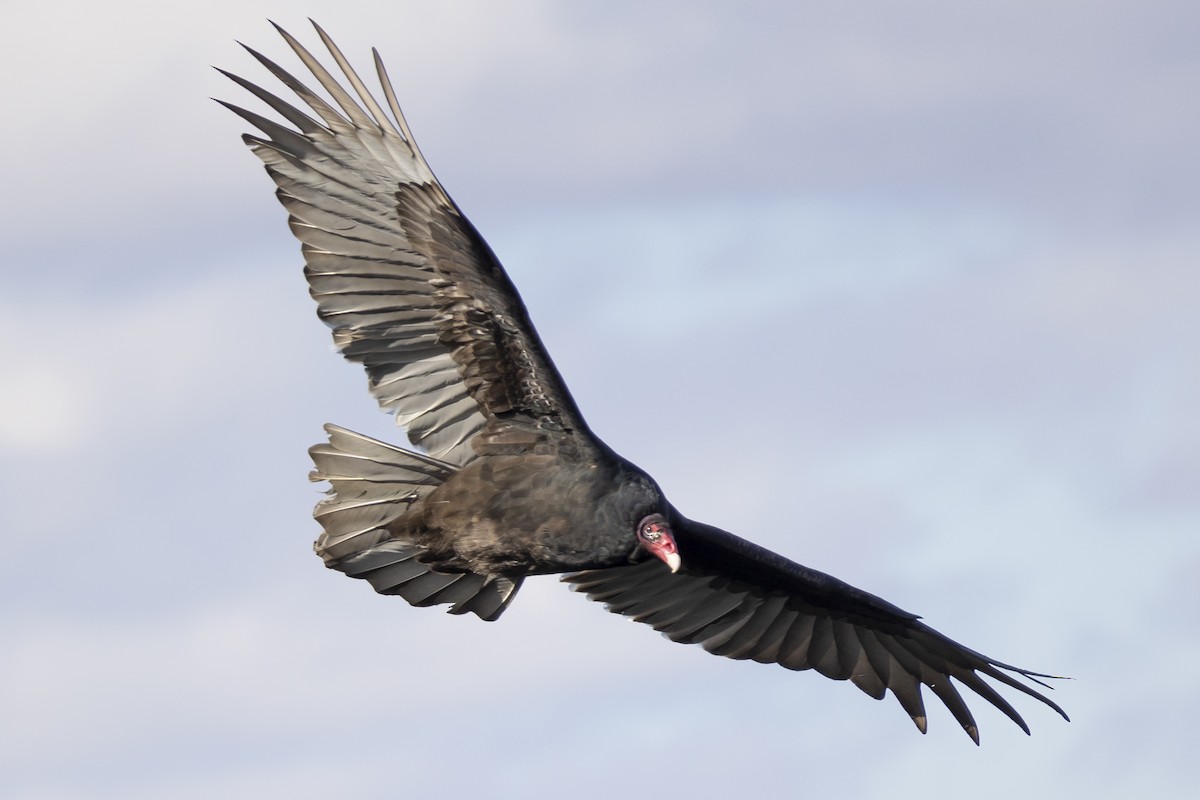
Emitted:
pixel 907 292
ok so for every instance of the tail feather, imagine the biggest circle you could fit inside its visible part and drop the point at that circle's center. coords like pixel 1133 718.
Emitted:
pixel 373 484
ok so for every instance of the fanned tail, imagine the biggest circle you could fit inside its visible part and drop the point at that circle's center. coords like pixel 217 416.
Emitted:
pixel 373 484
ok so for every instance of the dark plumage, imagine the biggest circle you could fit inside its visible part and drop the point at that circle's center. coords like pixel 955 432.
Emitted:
pixel 514 483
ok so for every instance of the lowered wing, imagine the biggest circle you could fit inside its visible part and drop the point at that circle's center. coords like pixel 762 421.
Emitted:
pixel 739 600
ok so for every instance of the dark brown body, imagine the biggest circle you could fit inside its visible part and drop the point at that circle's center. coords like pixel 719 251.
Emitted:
pixel 531 515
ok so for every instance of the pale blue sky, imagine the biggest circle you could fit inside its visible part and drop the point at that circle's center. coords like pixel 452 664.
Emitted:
pixel 905 292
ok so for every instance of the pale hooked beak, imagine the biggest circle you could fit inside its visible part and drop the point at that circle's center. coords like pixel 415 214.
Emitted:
pixel 665 549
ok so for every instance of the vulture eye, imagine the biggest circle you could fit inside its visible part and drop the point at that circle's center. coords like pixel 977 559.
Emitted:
pixel 651 528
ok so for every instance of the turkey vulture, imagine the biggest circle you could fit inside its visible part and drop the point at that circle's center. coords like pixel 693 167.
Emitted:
pixel 512 482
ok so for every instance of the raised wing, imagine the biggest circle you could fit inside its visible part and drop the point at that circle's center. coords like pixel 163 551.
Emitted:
pixel 739 600
pixel 409 287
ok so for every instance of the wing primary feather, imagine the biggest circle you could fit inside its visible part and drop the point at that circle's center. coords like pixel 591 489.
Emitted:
pixel 285 109
pixel 394 104
pixel 273 129
pixel 944 688
pixel 905 687
pixel 934 672
pixel 352 110
pixel 326 112
pixel 972 681
pixel 991 671
pixel 966 673
pixel 381 119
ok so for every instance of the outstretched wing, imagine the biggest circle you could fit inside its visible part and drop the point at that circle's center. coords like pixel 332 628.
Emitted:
pixel 409 287
pixel 739 600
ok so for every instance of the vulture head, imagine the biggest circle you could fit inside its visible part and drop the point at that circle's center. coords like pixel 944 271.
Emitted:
pixel 655 536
